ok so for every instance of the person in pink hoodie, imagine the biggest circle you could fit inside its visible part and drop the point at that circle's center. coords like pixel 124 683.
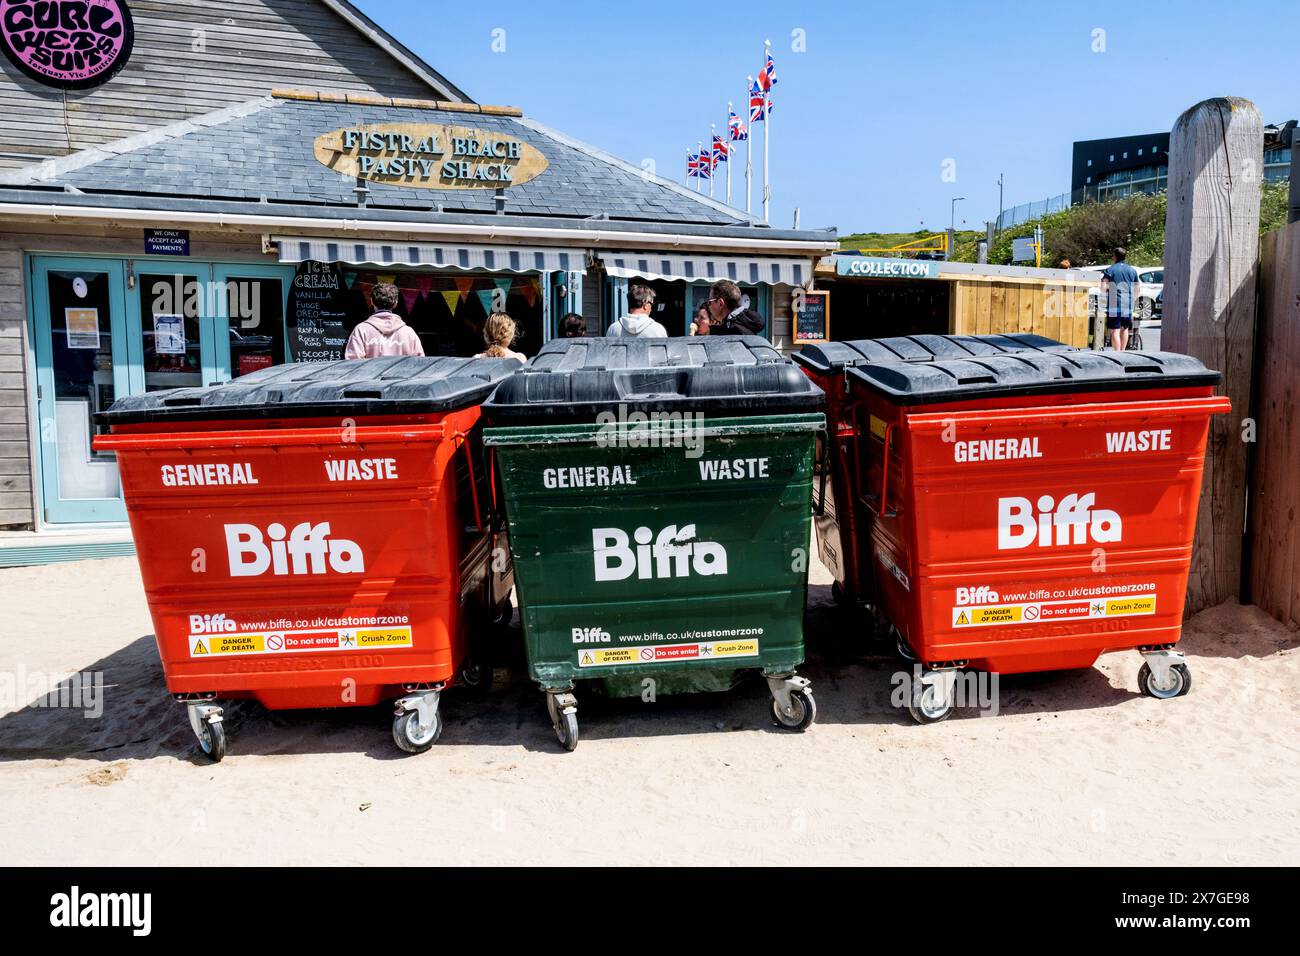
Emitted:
pixel 384 333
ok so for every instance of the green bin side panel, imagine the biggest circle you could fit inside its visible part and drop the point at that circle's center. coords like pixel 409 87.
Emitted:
pixel 668 616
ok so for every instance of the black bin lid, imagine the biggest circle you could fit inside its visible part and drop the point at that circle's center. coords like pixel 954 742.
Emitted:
pixel 1030 373
pixel 574 380
pixel 380 386
pixel 836 356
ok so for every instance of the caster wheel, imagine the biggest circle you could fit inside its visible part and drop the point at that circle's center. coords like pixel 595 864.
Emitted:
pixel 803 711
pixel 212 738
pixel 406 732
pixel 928 705
pixel 476 675
pixel 1180 682
pixel 566 725
pixel 504 615
pixel 902 649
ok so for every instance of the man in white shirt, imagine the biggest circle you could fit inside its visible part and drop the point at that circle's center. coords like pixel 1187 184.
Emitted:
pixel 637 324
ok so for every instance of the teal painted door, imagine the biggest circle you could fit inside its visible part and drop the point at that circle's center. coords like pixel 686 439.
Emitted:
pixel 83 363
pixel 101 333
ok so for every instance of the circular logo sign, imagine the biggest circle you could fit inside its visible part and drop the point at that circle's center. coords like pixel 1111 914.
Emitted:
pixel 68 44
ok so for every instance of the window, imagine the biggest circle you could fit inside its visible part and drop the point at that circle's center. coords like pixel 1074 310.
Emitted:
pixel 1090 162
pixel 1139 150
pixel 1088 180
pixel 1112 157
pixel 1126 155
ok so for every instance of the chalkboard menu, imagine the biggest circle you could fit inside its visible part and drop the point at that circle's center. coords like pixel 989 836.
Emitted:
pixel 317 320
pixel 812 321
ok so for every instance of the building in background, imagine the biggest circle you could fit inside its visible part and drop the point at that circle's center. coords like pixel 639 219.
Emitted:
pixel 201 203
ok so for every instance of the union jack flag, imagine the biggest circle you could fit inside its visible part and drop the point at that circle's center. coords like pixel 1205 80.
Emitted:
pixel 767 79
pixel 736 128
pixel 719 150
pixel 705 169
pixel 692 164
pixel 756 94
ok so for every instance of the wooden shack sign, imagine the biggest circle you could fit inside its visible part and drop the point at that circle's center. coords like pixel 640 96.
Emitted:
pixel 430 156
pixel 812 316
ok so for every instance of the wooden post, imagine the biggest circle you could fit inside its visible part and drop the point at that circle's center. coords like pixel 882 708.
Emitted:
pixel 1216 161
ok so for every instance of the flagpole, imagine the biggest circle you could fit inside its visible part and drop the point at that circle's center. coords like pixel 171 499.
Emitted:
pixel 713 155
pixel 767 123
pixel 698 147
pixel 726 138
pixel 749 147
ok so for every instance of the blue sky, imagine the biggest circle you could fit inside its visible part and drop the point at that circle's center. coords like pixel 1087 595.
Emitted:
pixel 883 95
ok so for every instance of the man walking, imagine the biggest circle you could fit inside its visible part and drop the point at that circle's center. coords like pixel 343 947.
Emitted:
pixel 637 324
pixel 1118 282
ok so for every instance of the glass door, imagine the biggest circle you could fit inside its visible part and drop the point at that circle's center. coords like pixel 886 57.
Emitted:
pixel 249 311
pixel 174 334
pixel 82 365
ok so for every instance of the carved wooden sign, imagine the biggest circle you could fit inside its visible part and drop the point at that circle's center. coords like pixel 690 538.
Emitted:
pixel 430 156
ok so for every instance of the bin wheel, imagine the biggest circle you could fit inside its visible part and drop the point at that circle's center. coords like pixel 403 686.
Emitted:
pixel 566 725
pixel 406 732
pixel 928 705
pixel 476 675
pixel 1180 682
pixel 212 739
pixel 902 648
pixel 803 711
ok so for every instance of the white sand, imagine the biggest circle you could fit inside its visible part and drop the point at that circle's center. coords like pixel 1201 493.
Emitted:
pixel 1078 768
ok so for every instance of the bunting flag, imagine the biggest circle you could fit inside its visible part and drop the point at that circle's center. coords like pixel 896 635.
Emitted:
pixel 485 298
pixel 502 292
pixel 452 298
pixel 390 279
pixel 365 288
pixel 423 282
pixel 464 284
pixel 409 296
pixel 349 278
pixel 530 292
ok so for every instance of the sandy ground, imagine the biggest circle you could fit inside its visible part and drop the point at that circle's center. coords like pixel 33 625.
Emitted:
pixel 1077 767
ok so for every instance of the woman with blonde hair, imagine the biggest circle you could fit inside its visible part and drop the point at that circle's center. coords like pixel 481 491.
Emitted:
pixel 499 334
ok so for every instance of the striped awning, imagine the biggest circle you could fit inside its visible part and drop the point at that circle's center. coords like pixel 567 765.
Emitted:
pixel 294 249
pixel 696 268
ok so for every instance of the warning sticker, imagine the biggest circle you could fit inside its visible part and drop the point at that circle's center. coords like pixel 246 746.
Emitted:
pixel 1051 611
pixel 667 653
pixel 288 642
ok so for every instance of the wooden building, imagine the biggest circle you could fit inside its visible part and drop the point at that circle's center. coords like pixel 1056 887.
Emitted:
pixel 874 297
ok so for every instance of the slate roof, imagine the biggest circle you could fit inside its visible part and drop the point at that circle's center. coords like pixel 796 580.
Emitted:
pixel 261 151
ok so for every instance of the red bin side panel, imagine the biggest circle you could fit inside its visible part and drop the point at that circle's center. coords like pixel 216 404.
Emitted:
pixel 304 567
pixel 1036 538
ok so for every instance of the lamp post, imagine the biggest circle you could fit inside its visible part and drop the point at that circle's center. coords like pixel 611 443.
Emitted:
pixel 952 219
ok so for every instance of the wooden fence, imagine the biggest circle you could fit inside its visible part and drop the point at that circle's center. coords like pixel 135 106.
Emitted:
pixel 1274 508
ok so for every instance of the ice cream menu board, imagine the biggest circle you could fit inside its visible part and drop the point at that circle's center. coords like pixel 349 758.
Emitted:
pixel 317 313
pixel 812 318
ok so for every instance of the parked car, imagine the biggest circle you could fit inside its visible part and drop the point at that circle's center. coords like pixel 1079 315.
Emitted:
pixel 1147 297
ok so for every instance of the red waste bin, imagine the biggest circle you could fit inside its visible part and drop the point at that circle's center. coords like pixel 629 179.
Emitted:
pixel 843 530
pixel 317 535
pixel 1031 510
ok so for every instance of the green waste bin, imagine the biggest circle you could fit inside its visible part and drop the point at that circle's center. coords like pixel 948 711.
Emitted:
pixel 658 494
